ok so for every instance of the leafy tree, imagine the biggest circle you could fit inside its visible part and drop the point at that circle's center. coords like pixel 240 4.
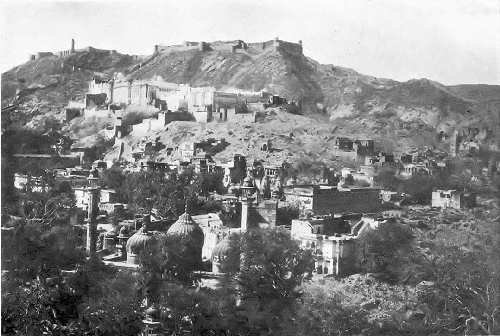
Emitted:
pixel 321 313
pixel 269 267
pixel 112 306
pixel 465 294
pixel 284 215
pixel 31 250
pixel 26 309
pixel 383 250
pixel 199 311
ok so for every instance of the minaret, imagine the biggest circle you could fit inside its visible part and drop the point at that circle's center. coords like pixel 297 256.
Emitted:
pixel 93 208
pixel 244 214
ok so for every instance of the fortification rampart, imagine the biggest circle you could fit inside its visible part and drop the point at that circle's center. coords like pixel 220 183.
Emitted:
pixel 233 46
pixel 278 45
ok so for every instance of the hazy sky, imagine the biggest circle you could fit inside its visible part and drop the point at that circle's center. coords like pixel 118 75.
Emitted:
pixel 451 41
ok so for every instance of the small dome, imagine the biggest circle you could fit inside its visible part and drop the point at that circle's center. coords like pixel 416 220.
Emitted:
pixel 185 226
pixel 140 241
pixel 221 250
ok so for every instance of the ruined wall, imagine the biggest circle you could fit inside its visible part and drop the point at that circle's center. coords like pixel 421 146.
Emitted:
pixel 187 45
pixel 278 45
pixel 290 47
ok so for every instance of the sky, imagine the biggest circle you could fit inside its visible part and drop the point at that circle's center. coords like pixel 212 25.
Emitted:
pixel 450 41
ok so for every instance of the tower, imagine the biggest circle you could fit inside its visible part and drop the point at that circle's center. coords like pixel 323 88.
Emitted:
pixel 93 209
pixel 276 43
pixel 245 203
pixel 72 46
pixel 93 206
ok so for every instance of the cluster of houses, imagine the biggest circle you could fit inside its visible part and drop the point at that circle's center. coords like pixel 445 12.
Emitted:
pixel 333 215
pixel 362 153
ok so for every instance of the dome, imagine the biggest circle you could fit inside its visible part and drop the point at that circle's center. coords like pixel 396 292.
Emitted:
pixel 185 226
pixel 221 250
pixel 140 241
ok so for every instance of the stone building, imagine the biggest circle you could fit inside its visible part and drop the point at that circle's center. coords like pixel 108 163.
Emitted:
pixel 333 246
pixel 324 200
pixel 205 104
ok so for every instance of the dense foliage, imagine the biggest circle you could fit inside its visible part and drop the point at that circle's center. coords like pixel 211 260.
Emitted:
pixel 166 192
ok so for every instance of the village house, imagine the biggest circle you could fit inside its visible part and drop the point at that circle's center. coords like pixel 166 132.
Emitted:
pixel 356 177
pixel 453 199
pixel 23 182
pixel 411 169
pixel 353 150
pixel 234 170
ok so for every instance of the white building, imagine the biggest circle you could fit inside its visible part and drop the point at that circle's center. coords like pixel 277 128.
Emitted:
pixel 452 199
pixel 333 254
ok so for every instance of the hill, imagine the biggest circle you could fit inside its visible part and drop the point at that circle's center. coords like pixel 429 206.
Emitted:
pixel 44 86
pixel 401 114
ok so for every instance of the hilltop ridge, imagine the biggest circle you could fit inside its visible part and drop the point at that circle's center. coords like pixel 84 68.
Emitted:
pixel 416 110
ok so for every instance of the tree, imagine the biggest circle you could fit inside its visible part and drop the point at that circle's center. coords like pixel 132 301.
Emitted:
pixel 321 313
pixel 384 250
pixel 269 266
pixel 114 177
pixel 31 250
pixel 112 306
pixel 466 280
pixel 284 215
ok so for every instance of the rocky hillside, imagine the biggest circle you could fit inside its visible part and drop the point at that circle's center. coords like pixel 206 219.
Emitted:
pixel 356 104
pixel 44 86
